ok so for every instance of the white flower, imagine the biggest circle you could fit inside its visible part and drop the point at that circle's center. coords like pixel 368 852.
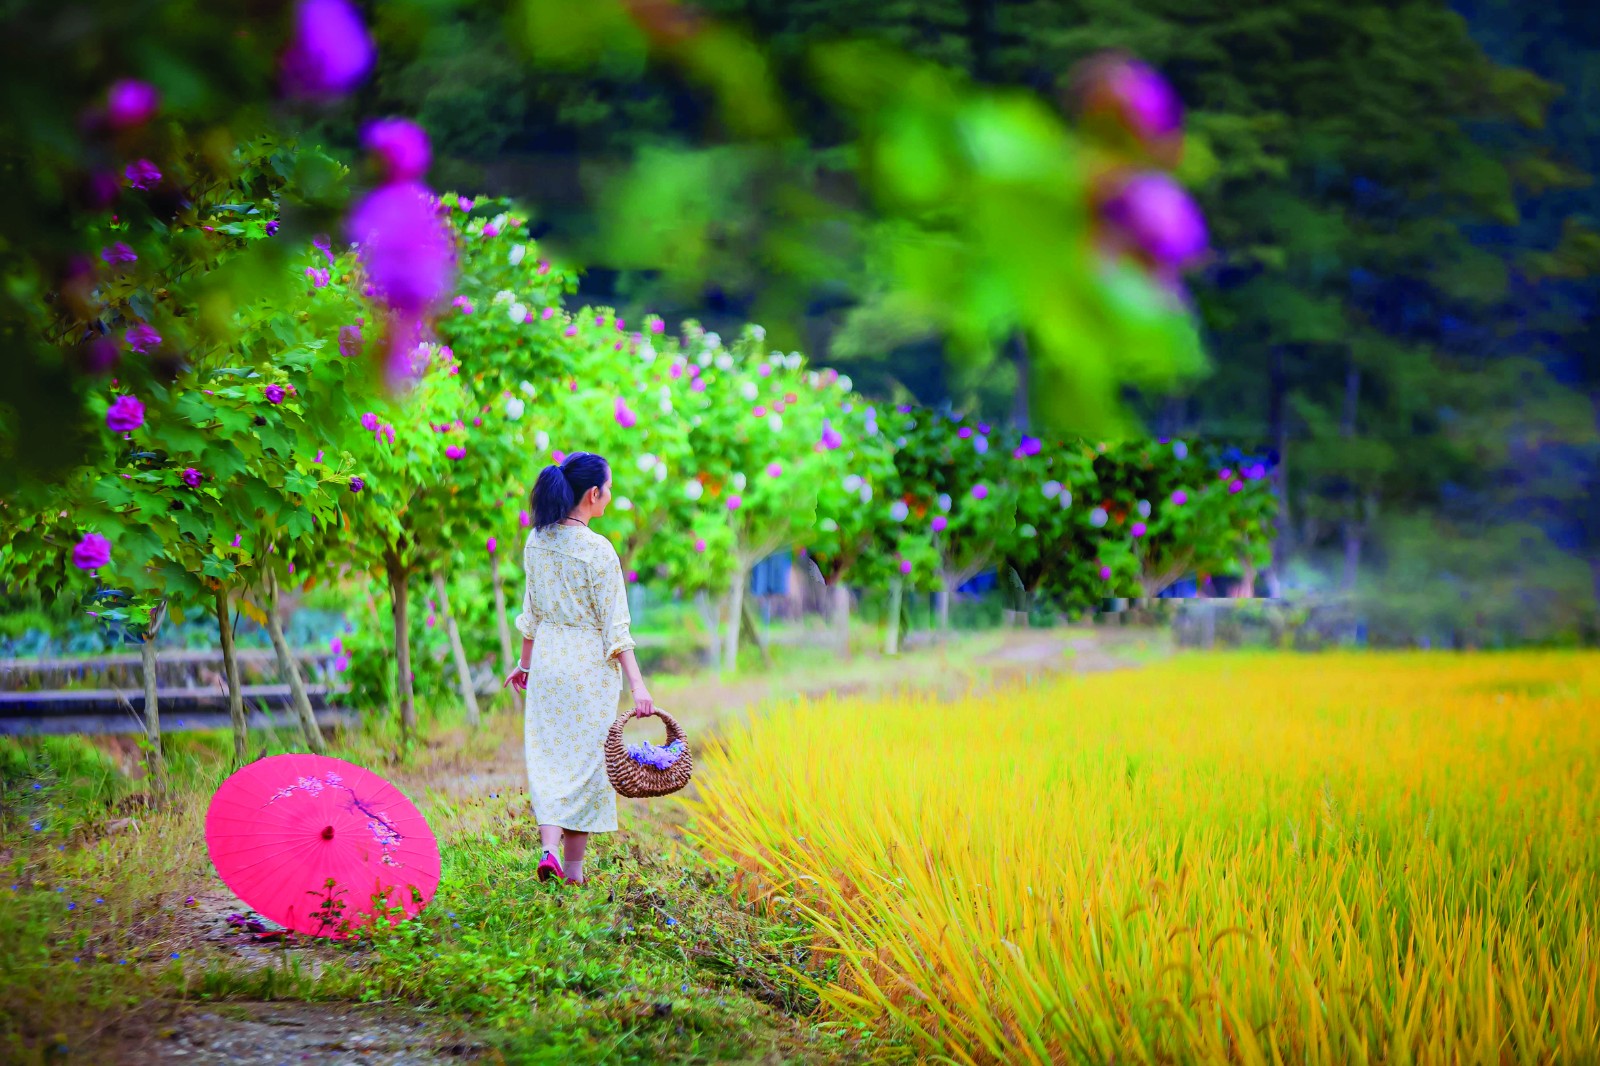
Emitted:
pixel 1180 449
pixel 852 483
pixel 541 440
pixel 871 428
pixel 944 501
pixel 646 461
pixel 693 489
pixel 623 503
pixel 724 361
pixel 526 388
pixel 813 378
pixel 1066 499
pixel 713 340
pixel 898 510
pixel 661 473
pixel 518 312
pixel 517 252
pixel 666 407
pixel 1028 531
pixel 981 444
pixel 514 408
pixel 739 482
pixel 665 392
pixel 1052 489
pixel 866 493
pixel 899 442
pixel 776 422
pixel 758 332
pixel 845 384
pixel 695 420
pixel 504 296
pixel 828 525
pixel 704 359
pixel 793 361
pixel 1144 508
pixel 647 353
pixel 1098 517
pixel 749 391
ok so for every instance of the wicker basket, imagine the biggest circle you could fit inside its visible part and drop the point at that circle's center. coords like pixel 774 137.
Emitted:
pixel 638 782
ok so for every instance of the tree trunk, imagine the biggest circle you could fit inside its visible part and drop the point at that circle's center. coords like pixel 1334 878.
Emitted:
pixel 891 642
pixel 154 762
pixel 230 667
pixel 469 694
pixel 708 617
pixel 404 690
pixel 840 594
pixel 747 619
pixel 290 669
pixel 730 653
pixel 942 600
pixel 506 652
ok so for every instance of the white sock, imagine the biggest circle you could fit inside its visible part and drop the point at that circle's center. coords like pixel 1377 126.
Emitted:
pixel 573 869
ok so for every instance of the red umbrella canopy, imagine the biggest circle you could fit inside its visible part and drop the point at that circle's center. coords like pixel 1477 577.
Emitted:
pixel 320 845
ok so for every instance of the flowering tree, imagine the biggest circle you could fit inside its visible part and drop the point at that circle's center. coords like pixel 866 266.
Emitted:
pixel 1053 546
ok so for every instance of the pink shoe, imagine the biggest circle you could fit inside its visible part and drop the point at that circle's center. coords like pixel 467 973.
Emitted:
pixel 550 868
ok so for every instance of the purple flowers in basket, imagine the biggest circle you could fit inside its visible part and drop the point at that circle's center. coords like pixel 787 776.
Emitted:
pixel 657 757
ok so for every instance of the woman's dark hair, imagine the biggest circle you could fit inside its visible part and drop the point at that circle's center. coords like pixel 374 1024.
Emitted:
pixel 559 488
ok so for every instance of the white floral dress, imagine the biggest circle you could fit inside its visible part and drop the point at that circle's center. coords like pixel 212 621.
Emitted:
pixel 575 607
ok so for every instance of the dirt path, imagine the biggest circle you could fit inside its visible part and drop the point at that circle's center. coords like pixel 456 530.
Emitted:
pixel 323 1034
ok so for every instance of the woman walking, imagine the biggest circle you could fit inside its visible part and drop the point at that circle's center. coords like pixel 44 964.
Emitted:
pixel 575 650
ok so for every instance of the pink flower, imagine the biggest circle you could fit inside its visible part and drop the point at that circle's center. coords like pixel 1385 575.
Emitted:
pixel 1179 498
pixel 779 406
pixel 369 422
pixel 599 320
pixel 572 330
pixel 131 103
pixel 1137 529
pixel 734 503
pixel 465 203
pixel 980 491
pixel 455 452
pixel 92 552
pixel 625 418
pixel 399 147
pixel 558 456
pixel 544 268
pixel 700 545
pixel 1105 573
pixel 1131 94
pixel 491 231
pixel 463 303
pixel 318 459
pixel 408 254
pixel 939 523
pixel 491 545
pixel 632 575
pixel 759 411
pixel 141 338
pixel 432 618
pixel 527 318
pixel 142 174
pixel 905 566
pixel 765 370
pixel 698 385
pixel 478 421
pixel 191 477
pixel 125 414
pixel 274 393
pixel 774 470
pixel 329 50
pixel 675 371
pixel 831 438
pixel 548 312
pixel 336 646
pixel 524 519
pixel 1152 214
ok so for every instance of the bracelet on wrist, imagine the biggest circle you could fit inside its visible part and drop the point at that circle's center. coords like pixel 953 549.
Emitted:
pixel 524 669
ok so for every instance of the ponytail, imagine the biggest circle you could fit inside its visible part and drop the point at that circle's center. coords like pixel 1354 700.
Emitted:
pixel 559 488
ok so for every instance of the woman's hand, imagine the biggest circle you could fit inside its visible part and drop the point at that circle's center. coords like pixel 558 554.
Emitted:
pixel 643 705
pixel 517 679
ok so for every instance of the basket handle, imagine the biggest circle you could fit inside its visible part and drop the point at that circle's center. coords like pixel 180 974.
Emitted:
pixel 674 730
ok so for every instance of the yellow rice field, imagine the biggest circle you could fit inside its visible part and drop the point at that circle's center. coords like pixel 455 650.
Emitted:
pixel 1243 858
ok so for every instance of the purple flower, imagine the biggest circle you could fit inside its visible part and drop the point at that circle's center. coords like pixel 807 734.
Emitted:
pixel 350 340
pixel 1137 529
pixel 329 50
pixel 336 646
pixel 274 393
pixel 523 519
pixel 1235 486
pixel 1132 94
pixel 406 249
pixel 369 422
pixel 318 459
pixel 1029 446
pixel 319 278
pixel 191 477
pixel 964 432
pixel 455 452
pixel 118 253
pixel 237 537
pixel 92 552
pixel 548 312
pixel 697 385
pixel 1105 573
pixel 465 204
pixel 1151 214
pixel 774 470
pixel 1224 474
pixel 492 545
pixel 625 418
pixel 357 483
pixel 734 503
pixel 142 174
pixel 905 566
pixel 125 414
pixel 323 244
pixel 1179 498
pixel 939 523
pixel 1256 472
pixel 491 231
pixel 700 544
pixel 131 103
pixel 831 438
pixel 463 303
pixel 272 228
pixel 141 338
pixel 980 491
pixel 341 664
pixel 399 147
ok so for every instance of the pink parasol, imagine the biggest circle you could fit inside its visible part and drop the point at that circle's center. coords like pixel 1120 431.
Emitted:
pixel 318 844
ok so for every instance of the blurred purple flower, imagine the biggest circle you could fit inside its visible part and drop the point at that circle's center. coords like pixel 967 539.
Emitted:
pixel 980 491
pixel 191 477
pixel 92 552
pixel 1105 573
pixel 455 452
pixel 1137 529
pixel 323 244
pixel 632 576
pixel 734 503
pixel 491 231
pixel 130 102
pixel 1235 486
pixel 369 422
pixel 523 519
pixel 141 338
pixel 492 544
pixel 336 646
pixel 274 393
pixel 118 253
pixel 939 523
pixel 357 483
pixel 905 566
pixel 463 303
pixel 399 147
pixel 1132 94
pixel 405 247
pixel 329 50
pixel 142 174
pixel 341 664
pixel 350 340
pixel 572 330
pixel 1152 214
pixel 465 204
pixel 1224 474
pixel 1179 498
pixel 831 438
pixel 698 385
pixel 964 432
pixel 625 418
pixel 319 278
pixel 774 470
pixel 544 268
pixel 700 545
pixel 272 228
pixel 1029 446
pixel 125 414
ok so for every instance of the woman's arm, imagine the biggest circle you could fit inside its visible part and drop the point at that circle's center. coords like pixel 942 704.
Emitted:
pixel 643 705
pixel 518 678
